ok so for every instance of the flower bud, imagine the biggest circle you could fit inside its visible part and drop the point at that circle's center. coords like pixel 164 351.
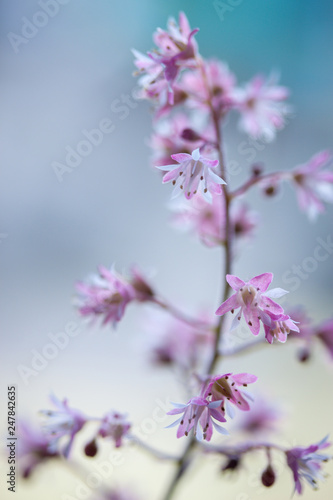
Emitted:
pixel 91 448
pixel 189 134
pixel 232 464
pixel 268 476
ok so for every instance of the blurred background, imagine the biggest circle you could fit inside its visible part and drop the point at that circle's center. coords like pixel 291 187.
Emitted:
pixel 63 78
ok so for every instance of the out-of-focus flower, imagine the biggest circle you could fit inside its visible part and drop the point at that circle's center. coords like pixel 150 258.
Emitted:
pixel 262 107
pixel 169 138
pixel 252 301
pixel 212 85
pixel 281 325
pixel 176 49
pixel 115 426
pixel 208 219
pixel 193 172
pixel 198 414
pixel 108 294
pixel 262 418
pixel 306 463
pixel 175 342
pixel 34 448
pixel 116 494
pixel 313 184
pixel 64 421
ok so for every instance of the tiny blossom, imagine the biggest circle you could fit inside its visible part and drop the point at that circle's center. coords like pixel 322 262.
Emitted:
pixel 175 342
pixel 198 414
pixel 314 185
pixel 108 294
pixel 325 333
pixel 64 421
pixel 211 85
pixel 115 426
pixel 262 418
pixel 208 219
pixel 193 172
pixel 228 388
pixel 281 325
pixel 34 448
pixel 262 108
pixel 176 49
pixel 168 138
pixel 252 301
pixel 305 464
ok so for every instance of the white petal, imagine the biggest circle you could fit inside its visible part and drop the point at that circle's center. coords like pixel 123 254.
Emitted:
pixel 196 154
pixel 230 410
pixel 174 423
pixel 220 429
pixel 275 293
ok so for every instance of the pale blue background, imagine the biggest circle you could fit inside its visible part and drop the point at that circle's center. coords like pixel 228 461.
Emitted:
pixel 112 207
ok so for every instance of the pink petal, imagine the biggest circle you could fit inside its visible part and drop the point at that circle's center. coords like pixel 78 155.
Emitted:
pixel 262 281
pixel 228 305
pixel 234 282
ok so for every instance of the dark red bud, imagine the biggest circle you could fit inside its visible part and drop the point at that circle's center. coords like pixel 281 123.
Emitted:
pixel 232 464
pixel 304 355
pixel 257 169
pixel 91 448
pixel 268 477
pixel 270 191
pixel 190 135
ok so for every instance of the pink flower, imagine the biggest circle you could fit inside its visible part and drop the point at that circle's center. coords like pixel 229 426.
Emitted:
pixel 262 418
pixel 168 138
pixel 313 185
pixel 108 294
pixel 178 343
pixel 207 220
pixel 252 301
pixel 193 172
pixel 262 108
pixel 64 421
pixel 34 448
pixel 227 389
pixel 280 327
pixel 305 464
pixel 212 85
pixel 198 414
pixel 115 426
pixel 176 49
pixel 325 333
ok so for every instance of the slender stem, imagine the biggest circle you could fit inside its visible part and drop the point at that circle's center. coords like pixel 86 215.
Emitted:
pixel 254 180
pixel 152 451
pixel 180 315
pixel 184 461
